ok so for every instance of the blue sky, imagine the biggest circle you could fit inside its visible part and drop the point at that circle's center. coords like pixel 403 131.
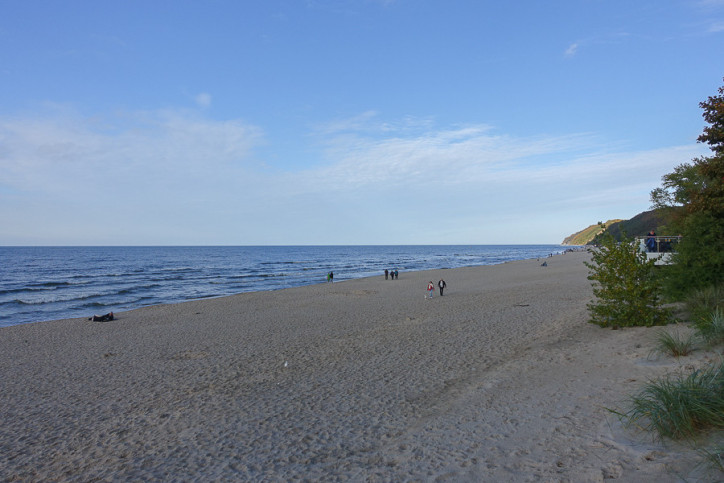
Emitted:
pixel 344 121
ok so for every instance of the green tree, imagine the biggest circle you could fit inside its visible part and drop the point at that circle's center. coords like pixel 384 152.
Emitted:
pixel 693 197
pixel 626 288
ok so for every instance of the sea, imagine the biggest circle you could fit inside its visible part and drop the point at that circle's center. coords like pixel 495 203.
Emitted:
pixel 49 283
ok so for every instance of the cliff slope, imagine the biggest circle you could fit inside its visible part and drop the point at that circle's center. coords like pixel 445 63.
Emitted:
pixel 587 235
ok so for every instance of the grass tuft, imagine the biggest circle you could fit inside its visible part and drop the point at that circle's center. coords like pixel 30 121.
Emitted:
pixel 711 327
pixel 679 407
pixel 714 456
pixel 703 302
pixel 673 343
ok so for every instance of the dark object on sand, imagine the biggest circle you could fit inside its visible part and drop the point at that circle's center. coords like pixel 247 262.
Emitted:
pixel 102 318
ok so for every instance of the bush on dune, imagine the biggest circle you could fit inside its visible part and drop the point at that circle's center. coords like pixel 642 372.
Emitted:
pixel 626 288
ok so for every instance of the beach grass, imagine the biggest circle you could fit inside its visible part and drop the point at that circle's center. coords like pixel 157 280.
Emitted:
pixel 673 343
pixel 711 327
pixel 714 456
pixel 681 406
pixel 705 301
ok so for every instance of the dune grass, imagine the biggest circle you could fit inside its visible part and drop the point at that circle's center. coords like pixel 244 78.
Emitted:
pixel 711 328
pixel 715 457
pixel 671 342
pixel 703 302
pixel 680 407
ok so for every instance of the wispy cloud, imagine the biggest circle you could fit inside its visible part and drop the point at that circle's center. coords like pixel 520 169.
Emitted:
pixel 64 152
pixel 571 50
pixel 203 100
pixel 710 3
pixel 716 27
pixel 177 177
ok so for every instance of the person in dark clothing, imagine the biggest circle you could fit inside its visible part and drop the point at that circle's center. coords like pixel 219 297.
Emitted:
pixel 386 273
pixel 651 241
pixel 102 318
pixel 441 285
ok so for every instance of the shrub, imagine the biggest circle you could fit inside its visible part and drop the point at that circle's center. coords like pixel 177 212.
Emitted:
pixel 699 258
pixel 625 286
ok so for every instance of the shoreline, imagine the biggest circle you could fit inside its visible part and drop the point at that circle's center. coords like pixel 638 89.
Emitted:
pixel 134 279
pixel 501 379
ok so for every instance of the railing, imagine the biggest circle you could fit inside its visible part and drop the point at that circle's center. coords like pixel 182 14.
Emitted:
pixel 658 244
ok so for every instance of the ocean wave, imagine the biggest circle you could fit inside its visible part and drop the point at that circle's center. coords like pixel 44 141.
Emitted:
pixel 167 279
pixel 39 287
pixel 16 302
pixel 92 305
pixel 25 289
pixel 201 296
pixel 54 283
pixel 287 262
pixel 62 298
pixel 136 288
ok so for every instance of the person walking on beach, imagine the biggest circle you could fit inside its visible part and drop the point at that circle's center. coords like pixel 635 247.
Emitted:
pixel 386 273
pixel 397 274
pixel 441 284
pixel 430 289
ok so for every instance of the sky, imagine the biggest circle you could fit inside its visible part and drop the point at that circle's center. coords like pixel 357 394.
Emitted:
pixel 344 122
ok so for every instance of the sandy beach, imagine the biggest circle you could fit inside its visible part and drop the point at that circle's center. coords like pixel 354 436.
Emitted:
pixel 502 379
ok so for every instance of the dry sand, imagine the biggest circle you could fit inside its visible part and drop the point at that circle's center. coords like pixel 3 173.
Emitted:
pixel 502 379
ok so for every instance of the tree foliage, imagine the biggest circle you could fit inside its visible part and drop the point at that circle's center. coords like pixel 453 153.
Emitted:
pixel 625 286
pixel 693 196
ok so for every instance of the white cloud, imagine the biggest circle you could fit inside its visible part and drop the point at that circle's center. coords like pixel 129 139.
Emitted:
pixel 571 50
pixel 473 159
pixel 63 152
pixel 137 175
pixel 172 177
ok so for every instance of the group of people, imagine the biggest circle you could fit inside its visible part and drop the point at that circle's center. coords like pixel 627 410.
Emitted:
pixel 431 288
pixel 391 274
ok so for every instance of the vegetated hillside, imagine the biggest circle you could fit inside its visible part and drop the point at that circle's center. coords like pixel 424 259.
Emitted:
pixel 587 235
pixel 639 225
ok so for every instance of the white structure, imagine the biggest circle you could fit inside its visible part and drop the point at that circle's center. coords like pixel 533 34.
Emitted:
pixel 658 247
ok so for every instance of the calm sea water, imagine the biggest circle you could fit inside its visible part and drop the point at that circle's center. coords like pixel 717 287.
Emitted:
pixel 47 283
